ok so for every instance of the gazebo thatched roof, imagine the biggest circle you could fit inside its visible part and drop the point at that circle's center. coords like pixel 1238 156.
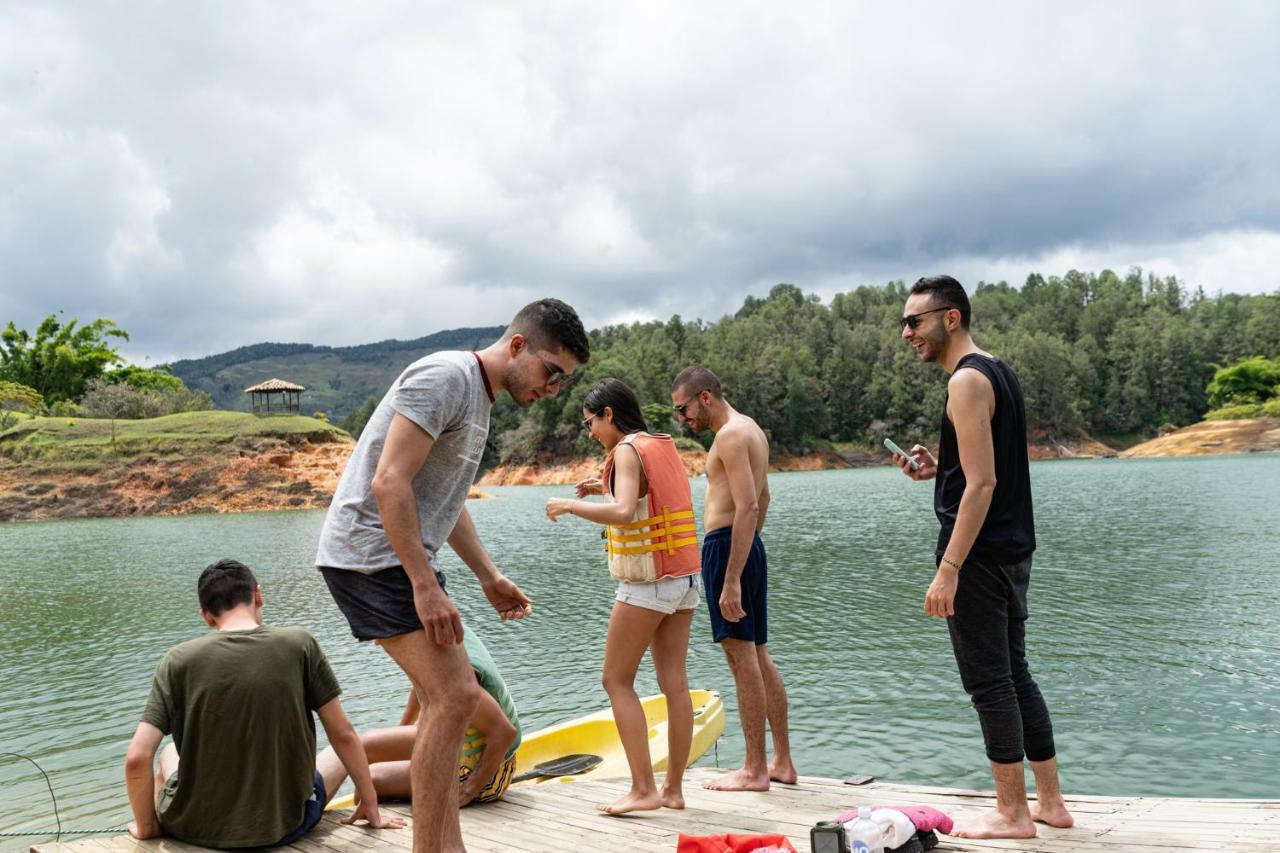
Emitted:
pixel 274 385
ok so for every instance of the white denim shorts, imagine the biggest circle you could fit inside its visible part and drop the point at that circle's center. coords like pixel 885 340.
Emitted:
pixel 665 596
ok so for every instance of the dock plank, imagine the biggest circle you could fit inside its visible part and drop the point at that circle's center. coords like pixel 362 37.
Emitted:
pixel 562 818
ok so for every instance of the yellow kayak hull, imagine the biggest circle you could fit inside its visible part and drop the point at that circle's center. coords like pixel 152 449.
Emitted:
pixel 596 734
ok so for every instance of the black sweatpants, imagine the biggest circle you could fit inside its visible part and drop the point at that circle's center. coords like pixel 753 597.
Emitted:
pixel 988 634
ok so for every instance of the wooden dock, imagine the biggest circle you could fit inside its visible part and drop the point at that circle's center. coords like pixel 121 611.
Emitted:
pixel 561 818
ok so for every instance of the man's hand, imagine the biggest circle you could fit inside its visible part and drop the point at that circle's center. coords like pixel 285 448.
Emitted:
pixel 366 810
pixel 557 507
pixel 589 486
pixel 731 601
pixel 437 614
pixel 143 835
pixel 507 598
pixel 940 600
pixel 928 465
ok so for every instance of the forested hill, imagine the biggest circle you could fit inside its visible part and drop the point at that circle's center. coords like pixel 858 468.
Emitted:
pixel 1103 354
pixel 337 379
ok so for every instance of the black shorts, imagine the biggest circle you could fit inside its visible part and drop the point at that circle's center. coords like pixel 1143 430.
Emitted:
pixel 377 605
pixel 754 627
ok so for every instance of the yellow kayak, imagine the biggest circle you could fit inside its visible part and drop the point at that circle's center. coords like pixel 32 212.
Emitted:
pixel 596 735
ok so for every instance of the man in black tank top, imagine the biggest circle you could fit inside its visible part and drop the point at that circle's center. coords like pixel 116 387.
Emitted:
pixel 982 497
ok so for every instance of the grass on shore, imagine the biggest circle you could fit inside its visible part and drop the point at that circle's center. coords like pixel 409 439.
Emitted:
pixel 72 440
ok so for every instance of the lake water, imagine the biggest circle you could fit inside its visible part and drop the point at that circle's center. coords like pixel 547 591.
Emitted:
pixel 1154 634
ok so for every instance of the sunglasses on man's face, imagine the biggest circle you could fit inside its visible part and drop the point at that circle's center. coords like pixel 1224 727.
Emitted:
pixel 912 321
pixel 555 376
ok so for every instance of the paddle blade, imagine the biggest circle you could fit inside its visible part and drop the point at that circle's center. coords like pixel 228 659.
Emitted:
pixel 566 765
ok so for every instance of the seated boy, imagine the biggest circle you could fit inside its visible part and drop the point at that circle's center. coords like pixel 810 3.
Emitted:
pixel 488 758
pixel 238 702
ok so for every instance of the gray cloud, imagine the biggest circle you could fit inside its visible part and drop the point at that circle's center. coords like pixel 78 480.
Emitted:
pixel 339 176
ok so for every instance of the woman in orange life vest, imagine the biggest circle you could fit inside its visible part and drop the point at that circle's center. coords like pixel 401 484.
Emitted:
pixel 651 541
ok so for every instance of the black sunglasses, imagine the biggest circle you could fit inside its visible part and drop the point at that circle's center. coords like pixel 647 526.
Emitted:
pixel 679 410
pixel 913 320
pixel 556 376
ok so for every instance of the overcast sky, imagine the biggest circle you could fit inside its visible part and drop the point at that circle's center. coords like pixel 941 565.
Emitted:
pixel 216 174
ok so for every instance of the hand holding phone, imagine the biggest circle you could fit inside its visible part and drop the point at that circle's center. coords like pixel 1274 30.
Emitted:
pixel 893 448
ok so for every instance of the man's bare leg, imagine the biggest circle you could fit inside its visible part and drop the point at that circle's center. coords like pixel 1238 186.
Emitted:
pixel 1011 818
pixel 382 748
pixel 1049 807
pixel 781 768
pixel 670 649
pixel 166 766
pixel 744 663
pixel 631 630
pixel 443 677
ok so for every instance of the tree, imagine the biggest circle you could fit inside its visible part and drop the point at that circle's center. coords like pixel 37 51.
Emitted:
pixel 354 423
pixel 119 400
pixel 155 379
pixel 1254 380
pixel 14 398
pixel 59 360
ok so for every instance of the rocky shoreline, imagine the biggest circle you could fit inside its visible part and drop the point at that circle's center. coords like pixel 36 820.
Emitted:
pixel 255 475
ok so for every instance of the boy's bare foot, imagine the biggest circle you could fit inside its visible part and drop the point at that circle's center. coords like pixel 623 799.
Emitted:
pixel 632 802
pixel 739 780
pixel 783 771
pixel 1053 814
pixel 993 824
pixel 673 799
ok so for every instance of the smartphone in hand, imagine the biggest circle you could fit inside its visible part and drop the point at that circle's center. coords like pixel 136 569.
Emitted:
pixel 893 448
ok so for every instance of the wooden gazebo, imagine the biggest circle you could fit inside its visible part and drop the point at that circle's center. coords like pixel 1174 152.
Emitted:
pixel 290 396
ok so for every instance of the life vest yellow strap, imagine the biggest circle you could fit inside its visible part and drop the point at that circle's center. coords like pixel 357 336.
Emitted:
pixel 649 522
pixel 669 546
pixel 653 534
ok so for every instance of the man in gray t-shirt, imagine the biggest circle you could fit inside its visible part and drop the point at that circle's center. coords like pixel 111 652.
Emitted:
pixel 403 495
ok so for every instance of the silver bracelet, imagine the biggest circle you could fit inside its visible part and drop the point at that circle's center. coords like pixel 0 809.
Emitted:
pixel 951 563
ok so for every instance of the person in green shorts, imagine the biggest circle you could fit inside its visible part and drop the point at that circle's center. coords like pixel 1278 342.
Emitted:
pixel 241 771
pixel 488 758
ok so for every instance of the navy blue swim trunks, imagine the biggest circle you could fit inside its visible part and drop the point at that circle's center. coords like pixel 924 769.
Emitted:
pixel 377 605
pixel 755 585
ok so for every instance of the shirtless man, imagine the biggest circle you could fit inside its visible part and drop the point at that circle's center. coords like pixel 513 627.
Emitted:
pixel 734 572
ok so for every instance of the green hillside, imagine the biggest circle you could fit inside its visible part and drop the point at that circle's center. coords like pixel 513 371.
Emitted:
pixel 70 441
pixel 337 379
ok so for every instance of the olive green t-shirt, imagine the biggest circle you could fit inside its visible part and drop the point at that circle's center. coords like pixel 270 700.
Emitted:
pixel 238 704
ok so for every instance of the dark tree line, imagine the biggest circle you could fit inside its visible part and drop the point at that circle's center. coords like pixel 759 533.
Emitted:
pixel 1102 354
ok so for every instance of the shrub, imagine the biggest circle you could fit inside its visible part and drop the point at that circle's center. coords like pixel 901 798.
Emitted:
pixel 1234 413
pixel 1271 408
pixel 17 398
pixel 1253 380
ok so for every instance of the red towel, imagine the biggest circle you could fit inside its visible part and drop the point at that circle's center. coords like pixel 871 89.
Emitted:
pixel 733 844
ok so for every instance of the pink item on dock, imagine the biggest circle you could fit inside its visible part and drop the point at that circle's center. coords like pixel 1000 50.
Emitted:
pixel 925 818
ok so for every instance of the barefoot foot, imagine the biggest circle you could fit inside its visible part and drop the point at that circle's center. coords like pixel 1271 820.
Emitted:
pixel 783 771
pixel 993 824
pixel 632 802
pixel 673 799
pixel 1053 814
pixel 739 780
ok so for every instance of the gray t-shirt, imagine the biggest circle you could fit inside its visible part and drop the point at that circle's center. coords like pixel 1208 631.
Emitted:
pixel 445 393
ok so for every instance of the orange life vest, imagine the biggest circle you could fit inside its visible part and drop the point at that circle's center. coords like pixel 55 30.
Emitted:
pixel 662 540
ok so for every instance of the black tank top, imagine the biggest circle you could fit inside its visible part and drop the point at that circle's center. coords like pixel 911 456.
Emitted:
pixel 1008 534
